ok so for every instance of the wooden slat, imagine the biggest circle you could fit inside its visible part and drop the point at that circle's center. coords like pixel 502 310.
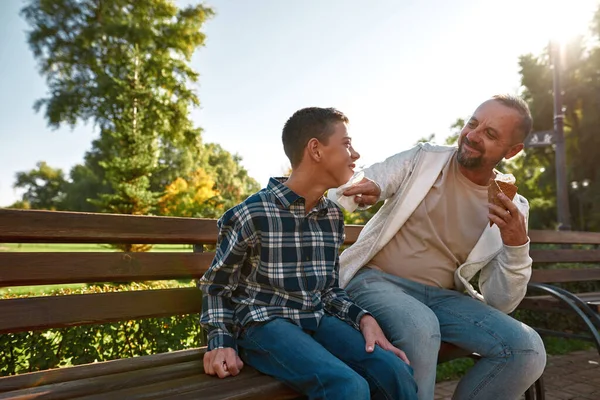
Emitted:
pixel 40 378
pixel 564 255
pixel 564 237
pixel 249 384
pixel 29 226
pixel 24 269
pixel 22 226
pixel 173 389
pixel 550 303
pixel 34 313
pixel 107 383
pixel 352 232
pixel 565 275
pixel 147 377
pixel 259 388
pixel 536 236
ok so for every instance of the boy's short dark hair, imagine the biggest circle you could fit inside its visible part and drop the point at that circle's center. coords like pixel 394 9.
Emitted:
pixel 305 124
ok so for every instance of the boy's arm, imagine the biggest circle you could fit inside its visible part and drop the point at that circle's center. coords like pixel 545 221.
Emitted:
pixel 221 279
pixel 337 302
pixel 335 299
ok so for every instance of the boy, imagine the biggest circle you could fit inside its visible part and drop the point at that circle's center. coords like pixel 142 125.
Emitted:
pixel 272 291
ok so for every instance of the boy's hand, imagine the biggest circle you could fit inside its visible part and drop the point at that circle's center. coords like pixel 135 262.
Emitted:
pixel 374 335
pixel 222 362
pixel 366 192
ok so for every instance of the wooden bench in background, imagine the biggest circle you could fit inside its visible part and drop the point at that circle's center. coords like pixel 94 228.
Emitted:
pixel 545 296
pixel 177 374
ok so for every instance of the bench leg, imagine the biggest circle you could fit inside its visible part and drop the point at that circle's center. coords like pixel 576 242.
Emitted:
pixel 530 393
pixel 540 389
pixel 537 391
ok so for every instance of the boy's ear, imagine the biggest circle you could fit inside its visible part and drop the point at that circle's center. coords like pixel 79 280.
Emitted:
pixel 313 148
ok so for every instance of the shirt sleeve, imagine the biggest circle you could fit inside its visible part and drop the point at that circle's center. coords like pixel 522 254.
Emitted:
pixel 221 279
pixel 335 299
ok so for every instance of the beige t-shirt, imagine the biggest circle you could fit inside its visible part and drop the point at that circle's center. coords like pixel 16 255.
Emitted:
pixel 438 237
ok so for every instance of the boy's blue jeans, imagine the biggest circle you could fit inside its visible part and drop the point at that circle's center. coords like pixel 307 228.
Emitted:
pixel 329 363
pixel 416 317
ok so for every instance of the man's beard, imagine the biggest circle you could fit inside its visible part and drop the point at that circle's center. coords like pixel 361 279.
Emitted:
pixel 464 160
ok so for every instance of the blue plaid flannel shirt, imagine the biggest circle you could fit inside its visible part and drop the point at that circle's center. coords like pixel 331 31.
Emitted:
pixel 275 261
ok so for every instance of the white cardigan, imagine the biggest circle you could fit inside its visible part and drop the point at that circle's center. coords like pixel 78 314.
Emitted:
pixel 405 180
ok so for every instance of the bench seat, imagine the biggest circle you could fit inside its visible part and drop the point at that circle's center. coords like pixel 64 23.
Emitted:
pixel 177 374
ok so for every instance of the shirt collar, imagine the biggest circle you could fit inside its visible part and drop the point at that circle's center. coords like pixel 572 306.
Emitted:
pixel 287 197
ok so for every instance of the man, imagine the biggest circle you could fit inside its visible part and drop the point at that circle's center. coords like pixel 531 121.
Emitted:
pixel 272 290
pixel 416 256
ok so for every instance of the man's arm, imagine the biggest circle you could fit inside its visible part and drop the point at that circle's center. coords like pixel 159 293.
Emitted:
pixel 383 179
pixel 217 285
pixel 503 281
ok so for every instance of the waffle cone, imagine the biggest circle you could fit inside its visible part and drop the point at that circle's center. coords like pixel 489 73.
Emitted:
pixel 496 187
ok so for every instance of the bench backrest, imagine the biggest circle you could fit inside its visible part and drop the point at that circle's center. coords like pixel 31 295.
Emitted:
pixel 569 248
pixel 47 268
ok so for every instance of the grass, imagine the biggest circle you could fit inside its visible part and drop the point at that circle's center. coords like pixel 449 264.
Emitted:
pixel 39 290
pixel 67 247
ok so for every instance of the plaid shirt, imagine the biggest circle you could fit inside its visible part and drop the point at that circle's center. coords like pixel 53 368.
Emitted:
pixel 275 261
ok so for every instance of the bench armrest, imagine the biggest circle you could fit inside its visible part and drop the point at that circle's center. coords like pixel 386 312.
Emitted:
pixel 585 312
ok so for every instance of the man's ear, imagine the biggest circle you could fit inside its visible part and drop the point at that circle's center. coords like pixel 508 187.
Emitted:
pixel 313 148
pixel 516 149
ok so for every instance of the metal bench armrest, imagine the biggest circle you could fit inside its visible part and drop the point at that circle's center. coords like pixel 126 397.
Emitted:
pixel 587 315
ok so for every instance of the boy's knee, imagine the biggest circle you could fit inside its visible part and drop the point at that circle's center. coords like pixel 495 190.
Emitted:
pixel 353 386
pixel 395 377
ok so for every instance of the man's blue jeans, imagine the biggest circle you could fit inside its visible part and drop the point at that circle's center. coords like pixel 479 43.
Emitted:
pixel 330 363
pixel 417 317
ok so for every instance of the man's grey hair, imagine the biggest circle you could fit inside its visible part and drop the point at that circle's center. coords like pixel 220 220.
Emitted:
pixel 518 104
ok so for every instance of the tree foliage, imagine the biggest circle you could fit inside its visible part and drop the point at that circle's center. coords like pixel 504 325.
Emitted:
pixel 535 170
pixel 44 188
pixel 123 65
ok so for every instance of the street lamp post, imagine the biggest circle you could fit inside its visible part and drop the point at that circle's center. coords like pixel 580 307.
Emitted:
pixel 562 196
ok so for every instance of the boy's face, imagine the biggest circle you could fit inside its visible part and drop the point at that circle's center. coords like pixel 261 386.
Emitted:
pixel 339 155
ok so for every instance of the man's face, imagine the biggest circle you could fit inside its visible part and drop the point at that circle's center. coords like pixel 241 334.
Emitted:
pixel 489 136
pixel 338 155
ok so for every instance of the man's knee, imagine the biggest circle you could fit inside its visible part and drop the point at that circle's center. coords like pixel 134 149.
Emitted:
pixel 523 348
pixel 531 347
pixel 403 318
pixel 419 330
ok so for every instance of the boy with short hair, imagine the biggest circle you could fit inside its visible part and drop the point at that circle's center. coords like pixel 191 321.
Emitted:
pixel 272 291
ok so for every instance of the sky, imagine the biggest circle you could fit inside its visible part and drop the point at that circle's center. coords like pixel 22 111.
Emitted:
pixel 399 69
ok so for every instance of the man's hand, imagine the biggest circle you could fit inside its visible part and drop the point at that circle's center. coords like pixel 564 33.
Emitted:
pixel 222 362
pixel 374 335
pixel 365 192
pixel 510 221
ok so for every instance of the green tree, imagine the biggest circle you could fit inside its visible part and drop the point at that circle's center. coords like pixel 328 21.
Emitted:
pixel 231 180
pixel 44 188
pixel 124 65
pixel 535 170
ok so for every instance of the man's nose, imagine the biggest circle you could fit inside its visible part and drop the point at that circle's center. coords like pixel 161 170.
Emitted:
pixel 474 136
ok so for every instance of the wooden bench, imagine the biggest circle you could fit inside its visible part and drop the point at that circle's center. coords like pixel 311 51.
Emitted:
pixel 551 271
pixel 177 374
